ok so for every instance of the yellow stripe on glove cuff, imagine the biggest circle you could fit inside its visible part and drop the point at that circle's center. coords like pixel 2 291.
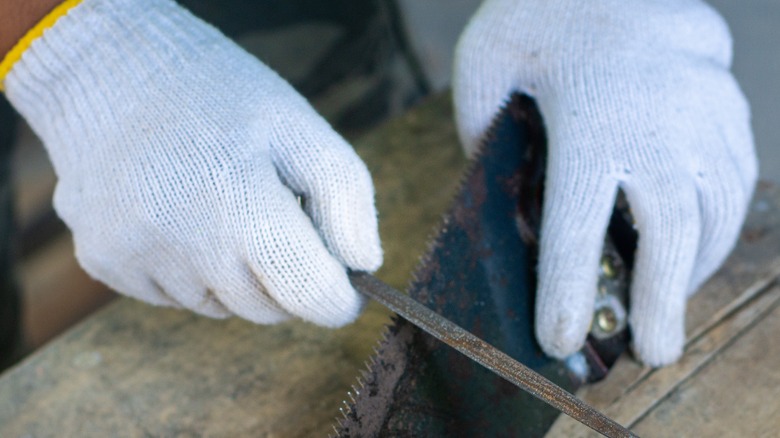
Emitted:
pixel 24 43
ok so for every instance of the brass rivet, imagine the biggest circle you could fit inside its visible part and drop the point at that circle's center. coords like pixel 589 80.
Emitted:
pixel 606 320
pixel 608 267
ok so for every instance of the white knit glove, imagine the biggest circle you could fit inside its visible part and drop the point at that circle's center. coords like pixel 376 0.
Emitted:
pixel 179 158
pixel 635 94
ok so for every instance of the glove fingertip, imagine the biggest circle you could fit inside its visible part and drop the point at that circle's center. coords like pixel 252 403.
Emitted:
pixel 660 350
pixel 564 307
pixel 347 306
pixel 559 335
pixel 361 254
pixel 350 231
pixel 658 331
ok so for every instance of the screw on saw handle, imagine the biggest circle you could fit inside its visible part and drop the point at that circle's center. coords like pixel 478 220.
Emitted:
pixel 486 355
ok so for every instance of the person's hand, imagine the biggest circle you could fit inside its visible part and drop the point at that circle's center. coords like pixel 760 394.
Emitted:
pixel 636 95
pixel 179 159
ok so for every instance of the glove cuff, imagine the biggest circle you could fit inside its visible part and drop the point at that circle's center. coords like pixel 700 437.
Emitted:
pixel 100 54
pixel 33 34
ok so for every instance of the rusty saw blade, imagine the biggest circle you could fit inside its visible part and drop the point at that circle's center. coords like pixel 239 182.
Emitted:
pixel 480 274
pixel 486 355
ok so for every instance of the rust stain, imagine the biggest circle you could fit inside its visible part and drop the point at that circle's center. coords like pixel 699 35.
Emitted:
pixel 752 235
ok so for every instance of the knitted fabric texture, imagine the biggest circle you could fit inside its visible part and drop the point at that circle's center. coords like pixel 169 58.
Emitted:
pixel 179 159
pixel 637 95
pixel 23 44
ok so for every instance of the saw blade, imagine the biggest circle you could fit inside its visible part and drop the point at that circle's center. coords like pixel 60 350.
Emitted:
pixel 480 273
pixel 486 355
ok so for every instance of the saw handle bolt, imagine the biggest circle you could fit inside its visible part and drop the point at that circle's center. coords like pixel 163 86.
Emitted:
pixel 609 318
pixel 606 320
pixel 608 267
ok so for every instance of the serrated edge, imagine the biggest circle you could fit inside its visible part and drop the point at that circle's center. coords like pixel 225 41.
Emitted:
pixel 424 259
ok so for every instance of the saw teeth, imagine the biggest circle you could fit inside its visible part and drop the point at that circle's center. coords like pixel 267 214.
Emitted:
pixel 372 372
pixel 432 238
pixel 368 374
pixel 432 241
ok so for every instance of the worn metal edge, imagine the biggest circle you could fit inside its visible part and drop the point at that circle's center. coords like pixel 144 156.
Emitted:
pixel 424 259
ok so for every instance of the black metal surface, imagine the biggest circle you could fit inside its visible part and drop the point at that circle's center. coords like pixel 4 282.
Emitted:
pixel 479 274
pixel 486 355
pixel 10 296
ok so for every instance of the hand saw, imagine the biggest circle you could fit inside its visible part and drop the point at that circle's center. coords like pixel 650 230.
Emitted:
pixel 480 273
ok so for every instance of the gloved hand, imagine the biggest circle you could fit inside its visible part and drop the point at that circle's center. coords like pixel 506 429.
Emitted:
pixel 634 94
pixel 179 158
